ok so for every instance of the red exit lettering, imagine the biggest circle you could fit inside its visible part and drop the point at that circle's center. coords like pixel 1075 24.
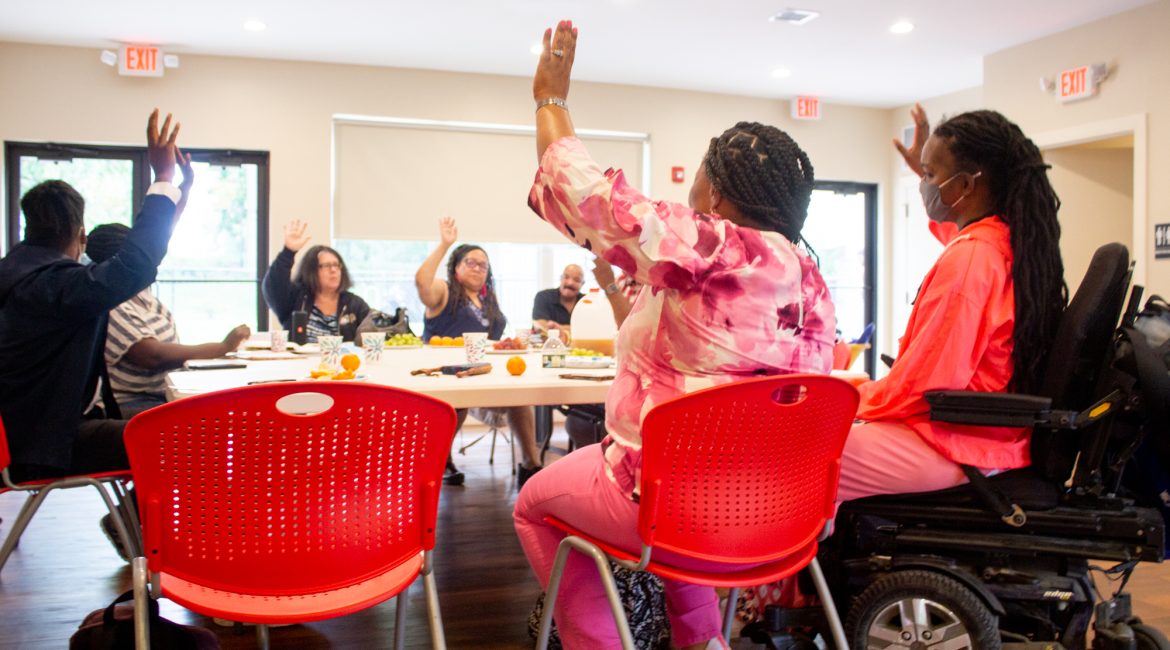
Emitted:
pixel 806 108
pixel 1076 84
pixel 140 60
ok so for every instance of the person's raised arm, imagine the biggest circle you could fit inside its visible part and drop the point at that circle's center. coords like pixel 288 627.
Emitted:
pixel 184 162
pixel 432 291
pixel 277 285
pixel 603 273
pixel 550 86
pixel 913 154
pixel 153 354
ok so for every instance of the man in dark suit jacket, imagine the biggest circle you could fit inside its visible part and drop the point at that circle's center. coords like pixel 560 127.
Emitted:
pixel 53 314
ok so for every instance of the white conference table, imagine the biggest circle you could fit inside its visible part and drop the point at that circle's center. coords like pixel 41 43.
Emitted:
pixel 536 387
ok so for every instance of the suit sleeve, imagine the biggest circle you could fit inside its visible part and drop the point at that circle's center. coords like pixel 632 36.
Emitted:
pixel 83 291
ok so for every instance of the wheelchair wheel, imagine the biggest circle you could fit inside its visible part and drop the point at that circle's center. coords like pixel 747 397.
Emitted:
pixel 1149 638
pixel 921 610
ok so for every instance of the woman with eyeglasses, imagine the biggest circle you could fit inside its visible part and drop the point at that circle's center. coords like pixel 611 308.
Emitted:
pixel 466 302
pixel 320 288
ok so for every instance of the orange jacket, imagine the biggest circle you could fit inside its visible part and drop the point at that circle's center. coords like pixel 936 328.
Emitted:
pixel 959 337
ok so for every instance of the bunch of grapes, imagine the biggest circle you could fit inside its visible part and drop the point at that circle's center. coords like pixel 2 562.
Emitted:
pixel 403 339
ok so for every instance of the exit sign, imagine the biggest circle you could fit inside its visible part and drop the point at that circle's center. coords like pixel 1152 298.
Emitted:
pixel 1076 84
pixel 140 61
pixel 806 108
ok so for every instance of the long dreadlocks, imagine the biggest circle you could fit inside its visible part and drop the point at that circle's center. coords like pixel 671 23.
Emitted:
pixel 1022 197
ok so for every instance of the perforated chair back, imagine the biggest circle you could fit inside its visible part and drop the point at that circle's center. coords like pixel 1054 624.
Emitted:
pixel 238 495
pixel 744 472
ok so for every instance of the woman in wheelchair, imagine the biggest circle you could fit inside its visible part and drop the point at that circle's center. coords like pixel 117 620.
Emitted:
pixel 983 318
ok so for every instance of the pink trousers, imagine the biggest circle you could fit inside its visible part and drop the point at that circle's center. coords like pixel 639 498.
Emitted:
pixel 889 458
pixel 575 489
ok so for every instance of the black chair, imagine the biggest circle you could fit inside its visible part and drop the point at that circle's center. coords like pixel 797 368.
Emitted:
pixel 1004 562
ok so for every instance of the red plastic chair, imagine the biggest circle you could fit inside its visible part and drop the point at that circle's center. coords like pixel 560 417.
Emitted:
pixel 261 507
pixel 741 474
pixel 122 514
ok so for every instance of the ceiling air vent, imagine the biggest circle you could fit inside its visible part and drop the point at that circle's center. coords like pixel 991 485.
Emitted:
pixel 795 16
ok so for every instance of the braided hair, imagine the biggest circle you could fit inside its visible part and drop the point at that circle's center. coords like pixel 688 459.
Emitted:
pixel 457 297
pixel 765 174
pixel 1022 196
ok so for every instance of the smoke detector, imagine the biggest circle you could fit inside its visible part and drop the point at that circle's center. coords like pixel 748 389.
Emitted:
pixel 795 16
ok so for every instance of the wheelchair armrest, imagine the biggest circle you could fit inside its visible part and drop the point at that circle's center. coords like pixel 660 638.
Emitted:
pixel 988 409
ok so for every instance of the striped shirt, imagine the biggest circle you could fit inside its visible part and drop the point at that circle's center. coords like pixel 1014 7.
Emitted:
pixel 141 317
pixel 321 325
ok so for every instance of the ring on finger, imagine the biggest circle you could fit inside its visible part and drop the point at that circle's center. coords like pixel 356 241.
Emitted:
pixel 558 52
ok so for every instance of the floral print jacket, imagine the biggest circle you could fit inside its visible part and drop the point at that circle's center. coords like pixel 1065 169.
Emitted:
pixel 718 301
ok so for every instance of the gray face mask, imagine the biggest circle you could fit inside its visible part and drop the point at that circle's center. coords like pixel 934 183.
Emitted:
pixel 932 198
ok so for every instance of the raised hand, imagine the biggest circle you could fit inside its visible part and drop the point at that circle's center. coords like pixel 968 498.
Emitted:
pixel 294 235
pixel 556 62
pixel 913 155
pixel 161 150
pixel 602 272
pixel 448 233
pixel 234 338
pixel 184 162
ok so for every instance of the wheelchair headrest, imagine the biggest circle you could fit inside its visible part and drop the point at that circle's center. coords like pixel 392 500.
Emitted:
pixel 1086 329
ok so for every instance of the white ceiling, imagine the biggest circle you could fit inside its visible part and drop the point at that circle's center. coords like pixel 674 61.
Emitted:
pixel 728 46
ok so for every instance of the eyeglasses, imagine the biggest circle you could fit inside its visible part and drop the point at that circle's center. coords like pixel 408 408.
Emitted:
pixel 476 265
pixel 329 266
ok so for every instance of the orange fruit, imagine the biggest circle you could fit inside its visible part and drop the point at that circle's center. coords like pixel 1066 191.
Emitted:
pixel 458 340
pixel 516 366
pixel 351 362
pixel 447 340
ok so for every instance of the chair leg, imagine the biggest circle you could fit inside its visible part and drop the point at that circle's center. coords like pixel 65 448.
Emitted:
pixel 129 516
pixel 128 543
pixel 729 613
pixel 835 627
pixel 492 456
pixel 611 594
pixel 31 504
pixel 262 636
pixel 438 640
pixel 400 620
pixel 464 448
pixel 141 606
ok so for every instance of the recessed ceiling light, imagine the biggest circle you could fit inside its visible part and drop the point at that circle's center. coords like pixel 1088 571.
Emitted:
pixel 781 73
pixel 795 16
pixel 902 27
pixel 255 26
pixel 536 48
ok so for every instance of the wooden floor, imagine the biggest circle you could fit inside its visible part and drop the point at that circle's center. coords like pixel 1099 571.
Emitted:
pixel 64 568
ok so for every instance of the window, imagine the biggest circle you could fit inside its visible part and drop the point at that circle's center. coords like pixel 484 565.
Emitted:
pixel 210 278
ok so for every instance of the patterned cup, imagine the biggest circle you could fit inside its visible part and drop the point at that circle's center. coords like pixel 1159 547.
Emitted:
pixel 372 343
pixel 475 344
pixel 279 340
pixel 330 350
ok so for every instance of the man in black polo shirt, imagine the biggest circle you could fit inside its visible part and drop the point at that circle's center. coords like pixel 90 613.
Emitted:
pixel 553 308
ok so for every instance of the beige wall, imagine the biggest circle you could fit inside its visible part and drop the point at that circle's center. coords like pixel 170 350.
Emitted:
pixel 65 94
pixel 1135 46
pixel 1095 186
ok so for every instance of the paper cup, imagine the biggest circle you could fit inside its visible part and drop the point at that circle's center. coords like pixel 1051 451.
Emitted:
pixel 475 345
pixel 330 350
pixel 279 340
pixel 372 344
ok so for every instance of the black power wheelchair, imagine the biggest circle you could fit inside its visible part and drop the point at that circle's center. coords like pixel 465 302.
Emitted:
pixel 1005 561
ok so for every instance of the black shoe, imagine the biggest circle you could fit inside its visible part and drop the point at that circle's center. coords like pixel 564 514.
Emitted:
pixel 452 476
pixel 111 532
pixel 524 473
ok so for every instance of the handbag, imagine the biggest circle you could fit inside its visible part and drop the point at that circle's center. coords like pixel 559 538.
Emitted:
pixel 380 321
pixel 112 628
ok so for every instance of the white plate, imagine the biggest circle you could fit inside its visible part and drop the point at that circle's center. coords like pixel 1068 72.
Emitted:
pixel 264 355
pixel 512 352
pixel 405 347
pixel 305 348
pixel 355 378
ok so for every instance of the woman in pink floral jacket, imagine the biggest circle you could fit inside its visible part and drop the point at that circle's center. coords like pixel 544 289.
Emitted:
pixel 727 293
